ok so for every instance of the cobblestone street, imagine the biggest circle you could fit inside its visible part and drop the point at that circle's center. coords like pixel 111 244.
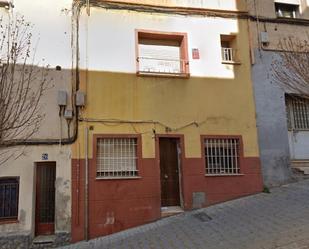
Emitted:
pixel 266 221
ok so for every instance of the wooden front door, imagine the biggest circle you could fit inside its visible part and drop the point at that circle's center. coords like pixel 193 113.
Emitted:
pixel 169 166
pixel 45 198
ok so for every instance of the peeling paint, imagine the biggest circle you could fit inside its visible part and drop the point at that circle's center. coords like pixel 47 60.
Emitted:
pixel 63 199
pixel 110 219
pixel 22 216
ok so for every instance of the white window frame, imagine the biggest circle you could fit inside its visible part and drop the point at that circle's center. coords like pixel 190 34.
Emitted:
pixel 117 157
pixel 222 156
pixel 228 54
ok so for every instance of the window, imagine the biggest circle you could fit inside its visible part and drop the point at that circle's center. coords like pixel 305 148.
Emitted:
pixel 228 49
pixel 286 10
pixel 9 189
pixel 222 156
pixel 117 157
pixel 297 112
pixel 162 54
pixel 5 4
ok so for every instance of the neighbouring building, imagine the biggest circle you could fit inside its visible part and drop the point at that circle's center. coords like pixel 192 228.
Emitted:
pixel 169 122
pixel 283 144
pixel 35 187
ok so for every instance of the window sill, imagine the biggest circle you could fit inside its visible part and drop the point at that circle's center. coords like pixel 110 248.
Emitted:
pixel 118 178
pixel 167 75
pixel 209 175
pixel 298 130
pixel 8 221
pixel 231 62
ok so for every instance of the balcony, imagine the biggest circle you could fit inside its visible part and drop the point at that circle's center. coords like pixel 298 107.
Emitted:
pixel 229 56
pixel 162 67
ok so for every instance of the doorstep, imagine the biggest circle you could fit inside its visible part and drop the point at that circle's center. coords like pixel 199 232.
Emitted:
pixel 44 239
pixel 301 165
pixel 171 210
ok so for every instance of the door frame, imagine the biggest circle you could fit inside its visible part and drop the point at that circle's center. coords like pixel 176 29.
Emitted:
pixel 180 139
pixel 39 164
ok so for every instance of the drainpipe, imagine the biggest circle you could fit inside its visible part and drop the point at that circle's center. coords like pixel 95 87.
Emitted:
pixel 86 185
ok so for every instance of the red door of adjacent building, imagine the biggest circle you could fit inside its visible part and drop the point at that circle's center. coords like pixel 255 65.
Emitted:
pixel 45 198
pixel 170 195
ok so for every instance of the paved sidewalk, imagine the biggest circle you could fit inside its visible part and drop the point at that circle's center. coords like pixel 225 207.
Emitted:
pixel 279 220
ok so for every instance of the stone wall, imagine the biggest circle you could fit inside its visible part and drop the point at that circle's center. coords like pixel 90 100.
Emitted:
pixel 24 241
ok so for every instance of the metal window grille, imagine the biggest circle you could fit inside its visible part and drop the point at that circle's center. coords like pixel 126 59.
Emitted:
pixel 117 157
pixel 9 189
pixel 228 54
pixel 298 113
pixel 222 156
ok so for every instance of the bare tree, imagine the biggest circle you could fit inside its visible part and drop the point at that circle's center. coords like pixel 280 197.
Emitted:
pixel 22 85
pixel 290 67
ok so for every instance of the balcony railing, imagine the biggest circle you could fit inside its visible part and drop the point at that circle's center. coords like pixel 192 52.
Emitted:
pixel 162 66
pixel 228 54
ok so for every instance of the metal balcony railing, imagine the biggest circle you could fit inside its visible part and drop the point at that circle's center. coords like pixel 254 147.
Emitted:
pixel 162 66
pixel 228 54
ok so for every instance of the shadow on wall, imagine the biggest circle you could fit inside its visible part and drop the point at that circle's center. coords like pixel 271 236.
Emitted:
pixel 305 9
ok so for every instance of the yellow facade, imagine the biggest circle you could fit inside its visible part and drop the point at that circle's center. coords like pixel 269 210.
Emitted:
pixel 193 107
pixel 216 99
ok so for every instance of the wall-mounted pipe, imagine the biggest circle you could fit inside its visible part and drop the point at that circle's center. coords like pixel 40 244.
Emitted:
pixel 86 186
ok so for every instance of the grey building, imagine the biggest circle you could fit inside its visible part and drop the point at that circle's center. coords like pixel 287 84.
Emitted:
pixel 282 115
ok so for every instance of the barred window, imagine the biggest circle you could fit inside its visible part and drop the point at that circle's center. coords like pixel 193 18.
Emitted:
pixel 117 157
pixel 297 112
pixel 9 189
pixel 222 156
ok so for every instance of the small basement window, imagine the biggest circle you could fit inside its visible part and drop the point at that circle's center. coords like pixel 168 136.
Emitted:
pixel 9 190
pixel 287 10
pixel 297 112
pixel 222 156
pixel 117 157
pixel 229 49
pixel 162 54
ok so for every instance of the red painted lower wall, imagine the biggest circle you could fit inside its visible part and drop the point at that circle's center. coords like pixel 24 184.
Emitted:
pixel 115 205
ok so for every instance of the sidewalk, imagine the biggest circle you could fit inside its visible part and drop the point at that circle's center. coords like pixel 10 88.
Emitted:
pixel 279 220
